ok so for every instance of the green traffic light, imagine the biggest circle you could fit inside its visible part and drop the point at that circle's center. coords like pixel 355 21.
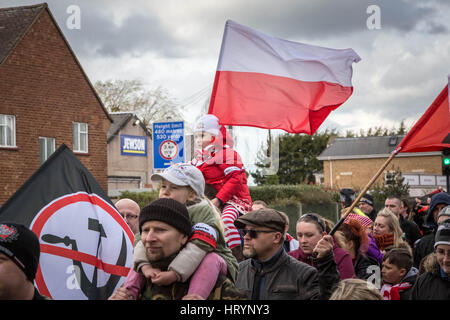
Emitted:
pixel 446 161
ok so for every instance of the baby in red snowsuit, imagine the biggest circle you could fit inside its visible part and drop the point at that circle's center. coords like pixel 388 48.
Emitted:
pixel 222 168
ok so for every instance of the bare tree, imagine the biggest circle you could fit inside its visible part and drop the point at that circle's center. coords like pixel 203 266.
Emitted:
pixel 150 105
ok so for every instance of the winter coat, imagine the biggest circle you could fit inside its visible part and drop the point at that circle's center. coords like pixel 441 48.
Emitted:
pixel 373 251
pixel 411 230
pixel 423 247
pixel 285 278
pixel 365 266
pixel 402 290
pixel 222 168
pixel 201 213
pixel 224 289
pixel 410 277
pixel 341 257
pixel 435 200
pixel 372 214
pixel 433 285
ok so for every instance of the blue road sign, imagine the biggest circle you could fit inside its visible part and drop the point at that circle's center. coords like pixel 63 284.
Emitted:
pixel 168 144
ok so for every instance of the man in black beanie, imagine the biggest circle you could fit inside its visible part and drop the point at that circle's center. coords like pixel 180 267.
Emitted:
pixel 367 206
pixel 166 213
pixel 19 260
pixel 165 228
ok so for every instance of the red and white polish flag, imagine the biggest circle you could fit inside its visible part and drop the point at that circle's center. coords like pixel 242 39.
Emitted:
pixel 267 82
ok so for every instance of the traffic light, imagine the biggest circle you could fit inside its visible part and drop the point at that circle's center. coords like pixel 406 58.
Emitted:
pixel 446 162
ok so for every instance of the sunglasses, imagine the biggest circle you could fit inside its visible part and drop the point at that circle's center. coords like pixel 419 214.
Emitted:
pixel 315 218
pixel 254 233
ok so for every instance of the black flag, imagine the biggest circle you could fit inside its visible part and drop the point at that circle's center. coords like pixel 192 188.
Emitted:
pixel 86 246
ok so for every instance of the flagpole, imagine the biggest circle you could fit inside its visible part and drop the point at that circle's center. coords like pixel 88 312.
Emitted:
pixel 361 194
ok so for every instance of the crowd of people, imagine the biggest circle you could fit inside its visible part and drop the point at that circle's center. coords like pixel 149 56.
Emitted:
pixel 204 239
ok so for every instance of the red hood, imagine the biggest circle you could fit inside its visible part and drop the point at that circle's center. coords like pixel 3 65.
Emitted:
pixel 224 138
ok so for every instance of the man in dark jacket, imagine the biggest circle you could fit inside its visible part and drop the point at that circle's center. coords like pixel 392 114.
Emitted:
pixel 411 230
pixel 425 245
pixel 270 273
pixel 435 285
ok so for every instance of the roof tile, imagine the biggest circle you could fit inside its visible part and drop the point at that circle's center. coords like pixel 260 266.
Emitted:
pixel 14 22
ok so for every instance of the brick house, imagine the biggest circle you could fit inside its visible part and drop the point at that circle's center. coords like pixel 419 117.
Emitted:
pixel 352 162
pixel 46 99
pixel 130 157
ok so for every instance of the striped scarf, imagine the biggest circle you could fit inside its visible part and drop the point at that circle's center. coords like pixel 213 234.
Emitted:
pixel 392 292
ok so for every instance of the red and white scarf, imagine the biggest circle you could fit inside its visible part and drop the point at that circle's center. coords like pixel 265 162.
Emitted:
pixel 392 292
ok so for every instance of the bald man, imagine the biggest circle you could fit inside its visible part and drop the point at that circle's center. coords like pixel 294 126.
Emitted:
pixel 129 210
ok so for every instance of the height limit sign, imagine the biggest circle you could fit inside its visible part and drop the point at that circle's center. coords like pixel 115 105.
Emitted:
pixel 168 144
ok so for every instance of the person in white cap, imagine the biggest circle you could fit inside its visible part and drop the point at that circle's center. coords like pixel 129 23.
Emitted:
pixel 223 169
pixel 205 255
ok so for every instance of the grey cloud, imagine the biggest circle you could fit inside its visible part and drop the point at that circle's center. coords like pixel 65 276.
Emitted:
pixel 325 18
pixel 99 35
pixel 136 34
pixel 436 28
pixel 291 19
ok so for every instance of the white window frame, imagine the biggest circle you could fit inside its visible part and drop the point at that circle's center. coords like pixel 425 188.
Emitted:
pixel 76 148
pixel 46 141
pixel 3 125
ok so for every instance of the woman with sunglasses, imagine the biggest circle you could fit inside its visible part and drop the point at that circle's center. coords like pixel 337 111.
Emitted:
pixel 311 228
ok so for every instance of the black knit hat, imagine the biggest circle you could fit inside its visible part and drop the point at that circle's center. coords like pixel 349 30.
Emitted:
pixel 367 198
pixel 169 211
pixel 21 245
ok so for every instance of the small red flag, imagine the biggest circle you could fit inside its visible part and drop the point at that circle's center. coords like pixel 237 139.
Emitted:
pixel 432 131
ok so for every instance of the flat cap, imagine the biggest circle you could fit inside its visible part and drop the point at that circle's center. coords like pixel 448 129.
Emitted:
pixel 264 217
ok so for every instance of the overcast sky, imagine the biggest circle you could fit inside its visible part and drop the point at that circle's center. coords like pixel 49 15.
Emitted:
pixel 176 43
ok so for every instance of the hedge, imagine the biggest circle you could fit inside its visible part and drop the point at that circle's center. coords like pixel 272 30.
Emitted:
pixel 292 194
pixel 282 197
pixel 271 194
pixel 142 198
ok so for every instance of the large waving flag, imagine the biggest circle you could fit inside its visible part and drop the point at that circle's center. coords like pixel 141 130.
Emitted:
pixel 432 131
pixel 86 246
pixel 267 82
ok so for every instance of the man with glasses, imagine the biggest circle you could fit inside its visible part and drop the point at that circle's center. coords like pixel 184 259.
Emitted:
pixel 270 273
pixel 129 210
pixel 435 284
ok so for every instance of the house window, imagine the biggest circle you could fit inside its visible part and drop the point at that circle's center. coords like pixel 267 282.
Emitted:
pixel 80 137
pixel 7 130
pixel 46 148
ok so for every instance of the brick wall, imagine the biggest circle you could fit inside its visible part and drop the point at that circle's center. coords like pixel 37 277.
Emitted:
pixel 356 173
pixel 43 86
